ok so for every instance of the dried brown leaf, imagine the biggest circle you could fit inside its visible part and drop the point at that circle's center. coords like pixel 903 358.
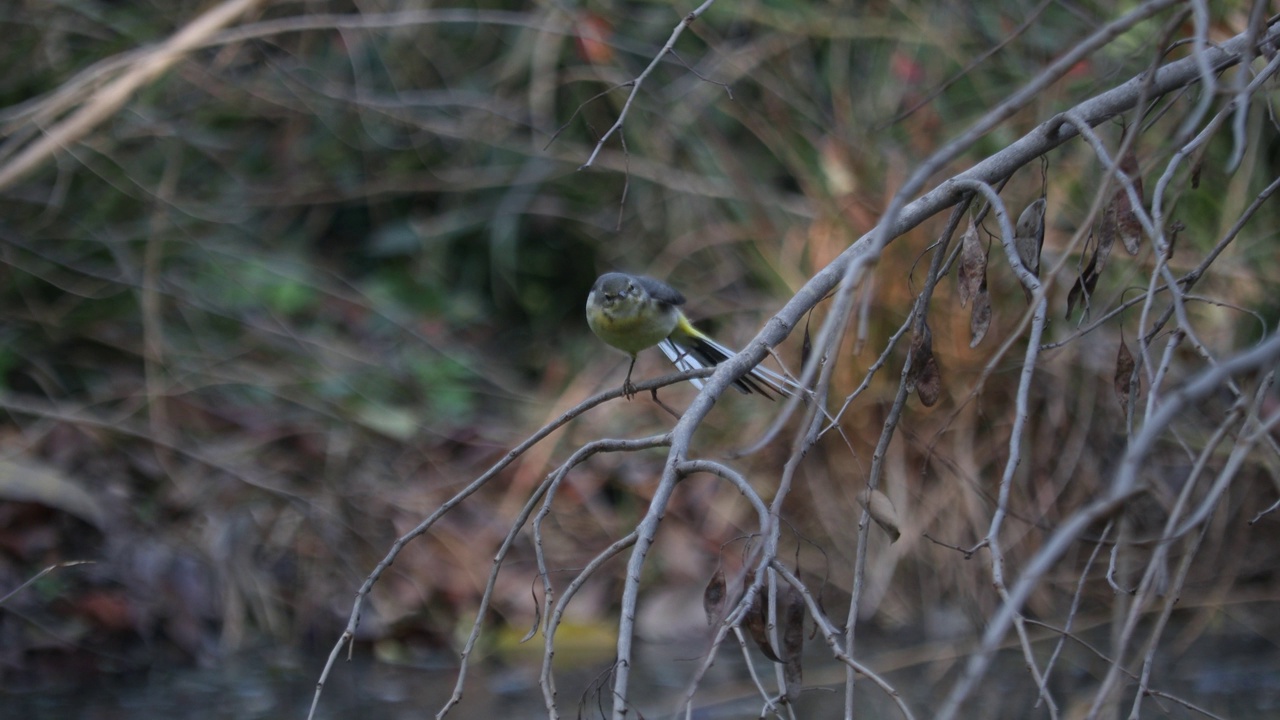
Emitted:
pixel 793 612
pixel 882 511
pixel 1029 235
pixel 921 353
pixel 923 377
pixel 973 264
pixel 757 619
pixel 1107 231
pixel 1127 225
pixel 714 596
pixel 980 316
pixel 758 628
pixel 1124 371
pixel 929 387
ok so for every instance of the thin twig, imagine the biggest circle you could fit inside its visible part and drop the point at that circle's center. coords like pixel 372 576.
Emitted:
pixel 644 74
pixel 34 578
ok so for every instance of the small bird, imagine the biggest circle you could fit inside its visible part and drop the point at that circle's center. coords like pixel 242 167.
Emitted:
pixel 631 313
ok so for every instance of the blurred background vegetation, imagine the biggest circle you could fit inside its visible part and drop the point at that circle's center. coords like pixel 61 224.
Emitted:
pixel 329 267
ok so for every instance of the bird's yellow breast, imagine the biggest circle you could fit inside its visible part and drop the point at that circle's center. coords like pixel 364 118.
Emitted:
pixel 632 332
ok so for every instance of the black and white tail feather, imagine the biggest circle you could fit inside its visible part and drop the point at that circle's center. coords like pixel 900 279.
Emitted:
pixel 695 353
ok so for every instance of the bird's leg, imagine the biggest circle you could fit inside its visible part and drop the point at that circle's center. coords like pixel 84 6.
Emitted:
pixel 627 388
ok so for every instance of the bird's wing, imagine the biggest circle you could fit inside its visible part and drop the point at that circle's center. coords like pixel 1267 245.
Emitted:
pixel 659 290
